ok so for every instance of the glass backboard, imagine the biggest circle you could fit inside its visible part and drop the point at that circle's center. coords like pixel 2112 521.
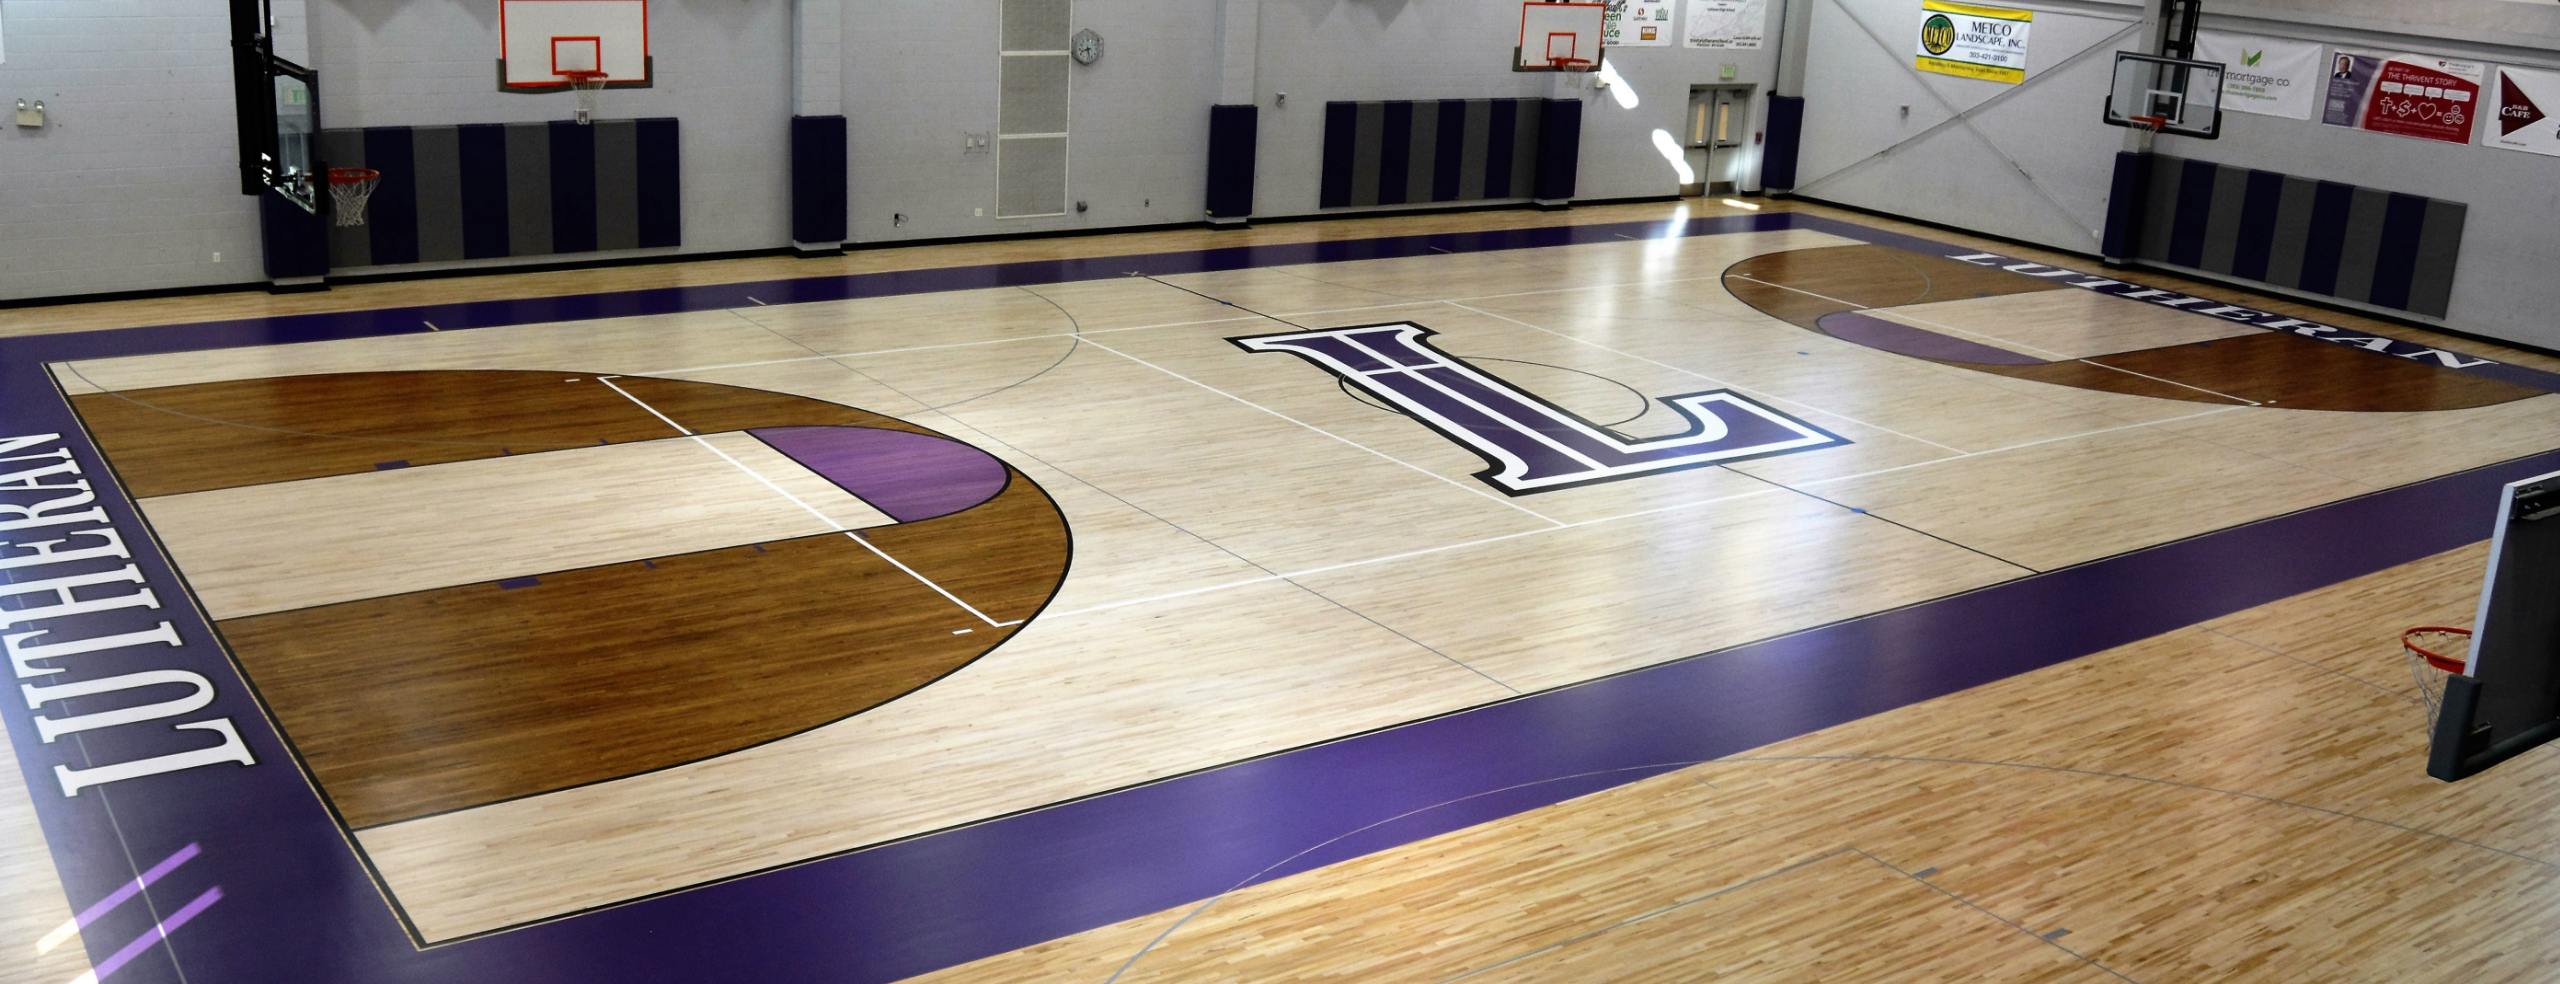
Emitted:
pixel 290 165
pixel 2185 97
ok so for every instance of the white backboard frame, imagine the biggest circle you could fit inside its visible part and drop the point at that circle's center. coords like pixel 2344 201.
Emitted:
pixel 1552 30
pixel 2194 109
pixel 531 33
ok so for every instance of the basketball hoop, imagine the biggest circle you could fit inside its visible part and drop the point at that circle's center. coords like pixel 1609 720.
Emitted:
pixel 1569 64
pixel 2155 123
pixel 2434 653
pixel 588 84
pixel 350 188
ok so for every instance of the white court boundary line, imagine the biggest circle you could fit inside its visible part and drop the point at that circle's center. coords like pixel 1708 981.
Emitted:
pixel 812 510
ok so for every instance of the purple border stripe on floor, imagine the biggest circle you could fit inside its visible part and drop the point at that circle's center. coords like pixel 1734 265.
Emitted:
pixel 308 910
pixel 1901 339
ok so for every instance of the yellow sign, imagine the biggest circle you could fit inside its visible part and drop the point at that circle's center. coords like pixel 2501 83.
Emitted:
pixel 1974 42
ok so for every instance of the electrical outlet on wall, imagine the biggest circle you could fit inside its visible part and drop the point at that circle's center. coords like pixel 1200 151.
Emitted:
pixel 977 143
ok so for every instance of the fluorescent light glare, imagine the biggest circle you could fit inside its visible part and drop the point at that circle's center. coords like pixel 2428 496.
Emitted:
pixel 1738 203
pixel 1618 87
pixel 1670 147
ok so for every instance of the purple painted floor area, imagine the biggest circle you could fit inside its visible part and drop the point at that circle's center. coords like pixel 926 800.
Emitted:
pixel 910 476
pixel 1901 339
pixel 299 905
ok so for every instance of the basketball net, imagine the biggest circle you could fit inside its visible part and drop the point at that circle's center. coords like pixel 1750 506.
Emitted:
pixel 588 86
pixel 2435 652
pixel 349 189
pixel 2149 127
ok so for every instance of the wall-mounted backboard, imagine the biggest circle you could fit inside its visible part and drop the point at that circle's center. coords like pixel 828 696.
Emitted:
pixel 539 40
pixel 1559 37
pixel 2166 95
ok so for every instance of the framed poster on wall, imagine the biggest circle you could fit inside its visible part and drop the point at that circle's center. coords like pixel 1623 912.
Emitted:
pixel 1638 24
pixel 2521 122
pixel 1733 25
pixel 2419 96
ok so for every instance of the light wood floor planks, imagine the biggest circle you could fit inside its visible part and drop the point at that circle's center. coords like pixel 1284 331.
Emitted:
pixel 2243 800
pixel 278 547
pixel 447 699
pixel 1262 561
pixel 2069 324
pixel 32 905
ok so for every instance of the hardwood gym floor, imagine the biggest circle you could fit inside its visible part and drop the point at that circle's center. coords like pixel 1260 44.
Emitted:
pixel 545 608
pixel 2243 799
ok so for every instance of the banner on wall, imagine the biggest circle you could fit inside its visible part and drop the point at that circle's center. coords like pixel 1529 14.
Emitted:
pixel 2411 95
pixel 2267 76
pixel 1638 23
pixel 2522 122
pixel 1730 24
pixel 1974 42
pixel 1642 24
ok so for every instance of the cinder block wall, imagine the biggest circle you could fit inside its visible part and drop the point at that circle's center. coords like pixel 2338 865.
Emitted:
pixel 134 187
pixel 2037 166
pixel 134 181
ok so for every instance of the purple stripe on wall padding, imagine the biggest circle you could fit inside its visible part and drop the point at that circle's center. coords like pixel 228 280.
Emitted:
pixel 1902 339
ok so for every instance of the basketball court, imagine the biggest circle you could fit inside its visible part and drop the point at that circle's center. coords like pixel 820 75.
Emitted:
pixel 1745 589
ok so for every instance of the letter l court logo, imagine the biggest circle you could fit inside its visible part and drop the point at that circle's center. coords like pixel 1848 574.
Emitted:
pixel 1532 445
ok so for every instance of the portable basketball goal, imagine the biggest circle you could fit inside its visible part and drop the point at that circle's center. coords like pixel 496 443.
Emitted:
pixel 2499 696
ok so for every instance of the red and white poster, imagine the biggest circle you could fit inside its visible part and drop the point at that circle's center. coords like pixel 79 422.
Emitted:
pixel 2410 95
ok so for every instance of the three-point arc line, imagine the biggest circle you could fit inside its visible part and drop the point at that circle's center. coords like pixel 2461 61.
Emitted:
pixel 855 535
pixel 159 930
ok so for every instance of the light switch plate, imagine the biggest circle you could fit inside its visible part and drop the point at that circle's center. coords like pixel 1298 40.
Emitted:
pixel 30 115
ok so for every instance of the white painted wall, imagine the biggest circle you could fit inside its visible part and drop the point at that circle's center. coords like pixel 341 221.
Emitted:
pixel 723 67
pixel 2034 164
pixel 135 188
pixel 2027 161
pixel 133 183
pixel 1321 51
pixel 921 73
pixel 2503 286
